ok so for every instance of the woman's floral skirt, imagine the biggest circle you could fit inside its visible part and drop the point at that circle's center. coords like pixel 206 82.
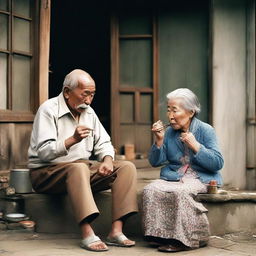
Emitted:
pixel 170 211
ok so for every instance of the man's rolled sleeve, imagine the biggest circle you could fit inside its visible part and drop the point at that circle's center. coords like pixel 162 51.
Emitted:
pixel 61 149
pixel 51 150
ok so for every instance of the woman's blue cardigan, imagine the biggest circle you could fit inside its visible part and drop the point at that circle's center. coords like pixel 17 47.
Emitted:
pixel 206 162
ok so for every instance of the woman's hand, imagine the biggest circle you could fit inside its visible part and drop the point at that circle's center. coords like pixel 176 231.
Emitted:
pixel 189 139
pixel 159 131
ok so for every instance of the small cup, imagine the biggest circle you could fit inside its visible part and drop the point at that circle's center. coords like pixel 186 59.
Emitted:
pixel 129 151
pixel 212 187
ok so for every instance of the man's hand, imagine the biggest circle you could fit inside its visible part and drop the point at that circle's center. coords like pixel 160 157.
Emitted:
pixel 80 133
pixel 106 167
pixel 189 139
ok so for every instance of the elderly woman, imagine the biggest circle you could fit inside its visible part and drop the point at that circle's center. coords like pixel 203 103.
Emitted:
pixel 189 153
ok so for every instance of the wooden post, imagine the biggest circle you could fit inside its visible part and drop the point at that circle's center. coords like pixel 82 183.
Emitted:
pixel 44 49
pixel 115 104
pixel 251 103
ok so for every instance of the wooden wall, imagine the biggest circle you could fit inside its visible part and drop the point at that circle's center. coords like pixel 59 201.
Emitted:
pixel 14 143
pixel 15 136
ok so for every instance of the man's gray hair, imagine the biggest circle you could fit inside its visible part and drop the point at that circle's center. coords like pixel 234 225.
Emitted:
pixel 190 101
pixel 71 79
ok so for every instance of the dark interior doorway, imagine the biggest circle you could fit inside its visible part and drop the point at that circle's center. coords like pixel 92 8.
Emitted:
pixel 80 38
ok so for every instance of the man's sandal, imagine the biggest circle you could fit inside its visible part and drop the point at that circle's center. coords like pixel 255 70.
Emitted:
pixel 87 243
pixel 119 240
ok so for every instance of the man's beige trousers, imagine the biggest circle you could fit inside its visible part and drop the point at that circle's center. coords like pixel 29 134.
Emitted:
pixel 80 180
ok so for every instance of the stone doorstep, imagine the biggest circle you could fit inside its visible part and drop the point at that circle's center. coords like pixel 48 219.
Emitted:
pixel 53 214
pixel 228 211
pixel 228 196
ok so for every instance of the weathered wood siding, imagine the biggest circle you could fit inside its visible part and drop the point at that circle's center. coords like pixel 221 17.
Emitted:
pixel 14 137
pixel 14 143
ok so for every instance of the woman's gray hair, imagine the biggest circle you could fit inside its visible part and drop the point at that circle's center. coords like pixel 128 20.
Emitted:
pixel 190 101
pixel 71 79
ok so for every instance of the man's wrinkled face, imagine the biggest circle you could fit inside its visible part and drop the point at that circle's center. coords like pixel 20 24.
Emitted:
pixel 82 94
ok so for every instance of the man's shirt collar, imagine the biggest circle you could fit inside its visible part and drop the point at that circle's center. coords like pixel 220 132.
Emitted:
pixel 63 107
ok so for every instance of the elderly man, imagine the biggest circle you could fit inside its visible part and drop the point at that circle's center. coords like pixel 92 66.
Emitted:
pixel 66 132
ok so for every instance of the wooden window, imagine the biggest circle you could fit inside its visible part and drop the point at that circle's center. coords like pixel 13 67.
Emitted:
pixel 18 56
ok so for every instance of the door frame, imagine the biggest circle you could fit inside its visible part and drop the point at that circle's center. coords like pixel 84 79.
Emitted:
pixel 115 89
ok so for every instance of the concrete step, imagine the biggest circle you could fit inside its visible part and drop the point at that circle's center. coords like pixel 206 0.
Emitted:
pixel 54 215
pixel 228 212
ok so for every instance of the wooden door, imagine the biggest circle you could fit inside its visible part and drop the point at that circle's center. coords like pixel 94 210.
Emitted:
pixel 134 79
pixel 153 53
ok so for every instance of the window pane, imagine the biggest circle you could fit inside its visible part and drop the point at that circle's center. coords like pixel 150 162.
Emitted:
pixel 3 81
pixel 21 7
pixel 127 108
pixel 4 5
pixel 21 83
pixel 3 31
pixel 136 63
pixel 135 24
pixel 146 108
pixel 21 40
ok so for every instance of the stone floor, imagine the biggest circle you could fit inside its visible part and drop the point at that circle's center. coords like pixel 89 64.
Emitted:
pixel 20 243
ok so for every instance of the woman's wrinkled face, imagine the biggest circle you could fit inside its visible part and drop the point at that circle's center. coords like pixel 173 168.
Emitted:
pixel 179 117
pixel 82 94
